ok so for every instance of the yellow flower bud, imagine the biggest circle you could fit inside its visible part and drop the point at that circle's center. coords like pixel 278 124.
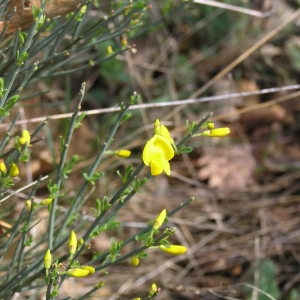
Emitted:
pixel 88 268
pixel 14 170
pixel 123 153
pixel 173 249
pixel 25 137
pixel 160 219
pixel 210 125
pixel 217 132
pixel 28 204
pixel 2 166
pixel 48 260
pixel 134 260
pixel 154 290
pixel 109 50
pixel 46 201
pixel 80 242
pixel 72 242
pixel 124 42
pixel 78 272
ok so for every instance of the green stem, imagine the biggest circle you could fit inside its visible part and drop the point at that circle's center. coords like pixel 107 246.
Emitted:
pixel 59 176
pixel 77 203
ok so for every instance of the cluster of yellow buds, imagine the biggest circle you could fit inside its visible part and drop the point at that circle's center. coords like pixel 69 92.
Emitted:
pixel 159 150
pixel 77 271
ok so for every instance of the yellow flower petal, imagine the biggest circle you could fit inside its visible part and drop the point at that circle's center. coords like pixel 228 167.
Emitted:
pixel 160 165
pixel 164 145
pixel 163 131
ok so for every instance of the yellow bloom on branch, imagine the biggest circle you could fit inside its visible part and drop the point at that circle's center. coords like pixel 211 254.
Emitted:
pixel 173 249
pixel 217 132
pixel 159 150
pixel 157 153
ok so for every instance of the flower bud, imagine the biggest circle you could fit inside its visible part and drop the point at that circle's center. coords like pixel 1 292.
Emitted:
pixel 122 153
pixel 134 260
pixel 46 201
pixel 14 170
pixel 48 260
pixel 160 219
pixel 25 137
pixel 72 243
pixel 78 272
pixel 88 268
pixel 2 166
pixel 217 132
pixel 28 204
pixel 173 249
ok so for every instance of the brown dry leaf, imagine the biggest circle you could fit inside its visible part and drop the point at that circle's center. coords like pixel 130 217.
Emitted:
pixel 228 168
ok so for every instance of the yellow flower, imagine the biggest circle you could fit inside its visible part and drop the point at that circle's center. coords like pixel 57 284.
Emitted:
pixel 2 166
pixel 160 219
pixel 78 272
pixel 157 153
pixel 14 170
pixel 72 243
pixel 122 153
pixel 25 137
pixel 217 132
pixel 48 260
pixel 173 249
